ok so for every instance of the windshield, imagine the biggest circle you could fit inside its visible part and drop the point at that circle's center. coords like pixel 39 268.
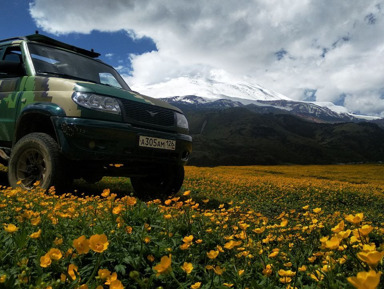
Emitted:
pixel 53 61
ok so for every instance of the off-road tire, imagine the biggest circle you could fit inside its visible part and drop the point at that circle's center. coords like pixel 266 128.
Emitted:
pixel 166 183
pixel 36 158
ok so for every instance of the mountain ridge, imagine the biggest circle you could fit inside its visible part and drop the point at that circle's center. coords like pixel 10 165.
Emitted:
pixel 306 110
pixel 227 132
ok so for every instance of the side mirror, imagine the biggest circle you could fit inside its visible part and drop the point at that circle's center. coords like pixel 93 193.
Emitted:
pixel 11 69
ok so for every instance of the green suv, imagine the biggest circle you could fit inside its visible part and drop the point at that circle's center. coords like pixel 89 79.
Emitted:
pixel 64 114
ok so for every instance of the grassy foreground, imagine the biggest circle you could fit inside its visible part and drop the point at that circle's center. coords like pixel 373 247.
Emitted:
pixel 230 227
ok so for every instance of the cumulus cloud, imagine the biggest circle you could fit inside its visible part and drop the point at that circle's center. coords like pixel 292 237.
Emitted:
pixel 325 50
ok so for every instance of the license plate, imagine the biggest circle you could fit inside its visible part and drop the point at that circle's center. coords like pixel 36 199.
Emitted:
pixel 157 143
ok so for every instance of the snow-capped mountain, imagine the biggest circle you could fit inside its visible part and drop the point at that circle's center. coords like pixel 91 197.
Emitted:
pixel 217 85
pixel 220 89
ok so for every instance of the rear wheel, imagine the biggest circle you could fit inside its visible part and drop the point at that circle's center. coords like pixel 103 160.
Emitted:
pixel 36 158
pixel 166 183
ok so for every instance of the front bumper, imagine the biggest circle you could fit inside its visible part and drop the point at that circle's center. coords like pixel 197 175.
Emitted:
pixel 112 142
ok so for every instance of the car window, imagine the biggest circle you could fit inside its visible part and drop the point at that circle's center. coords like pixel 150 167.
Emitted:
pixel 62 63
pixel 13 54
pixel 11 62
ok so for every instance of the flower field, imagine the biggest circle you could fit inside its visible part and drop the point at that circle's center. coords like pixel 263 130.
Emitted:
pixel 229 227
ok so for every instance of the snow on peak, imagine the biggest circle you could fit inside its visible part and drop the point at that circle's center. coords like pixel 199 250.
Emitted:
pixel 217 85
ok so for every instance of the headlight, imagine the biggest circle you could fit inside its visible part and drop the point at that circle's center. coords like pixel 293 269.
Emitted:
pixel 97 102
pixel 181 120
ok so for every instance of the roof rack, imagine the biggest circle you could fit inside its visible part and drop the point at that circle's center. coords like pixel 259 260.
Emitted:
pixel 50 41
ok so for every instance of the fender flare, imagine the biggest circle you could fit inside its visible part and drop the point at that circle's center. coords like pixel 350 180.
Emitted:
pixel 48 110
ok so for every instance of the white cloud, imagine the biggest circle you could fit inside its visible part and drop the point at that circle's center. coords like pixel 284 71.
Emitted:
pixel 333 47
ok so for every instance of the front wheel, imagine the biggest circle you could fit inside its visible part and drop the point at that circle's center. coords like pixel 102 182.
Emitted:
pixel 36 158
pixel 166 183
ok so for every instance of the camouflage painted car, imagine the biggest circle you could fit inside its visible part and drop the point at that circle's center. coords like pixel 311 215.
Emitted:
pixel 64 114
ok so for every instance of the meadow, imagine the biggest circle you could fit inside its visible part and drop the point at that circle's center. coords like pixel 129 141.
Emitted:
pixel 229 227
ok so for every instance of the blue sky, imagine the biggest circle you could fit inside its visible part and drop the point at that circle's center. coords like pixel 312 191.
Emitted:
pixel 323 51
pixel 115 47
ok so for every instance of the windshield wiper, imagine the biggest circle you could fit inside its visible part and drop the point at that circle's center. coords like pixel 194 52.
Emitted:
pixel 64 75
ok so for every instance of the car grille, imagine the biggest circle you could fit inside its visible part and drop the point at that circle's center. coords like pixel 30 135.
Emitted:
pixel 147 113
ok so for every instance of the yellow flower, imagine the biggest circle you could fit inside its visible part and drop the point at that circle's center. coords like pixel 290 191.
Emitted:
pixel 267 270
pixel 10 228
pixel 317 276
pixel 116 284
pixel 333 243
pixel 344 234
pixel 187 267
pixel 212 254
pixel 259 230
pixel 317 210
pixel 187 193
pixel 36 235
pixel 3 278
pixel 231 244
pixel 339 227
pixel 164 266
pixel 105 193
pixel 365 280
pixel 185 246
pixel 274 253
pixel 55 254
pixel 150 258
pixel 98 243
pixel 306 207
pixel 284 223
pixel 117 210
pixel 355 219
pixel 111 278
pixel 303 268
pixel 103 274
pixel 365 230
pixel 72 271
pixel 45 261
pixel 35 221
pixel 81 245
pixel 312 259
pixel 188 239
pixel 84 286
pixel 369 247
pixel 197 285
pixel 286 273
pixel 58 241
pixel 372 258
pixel 167 202
pixel 218 270
pixel 129 229
pixel 285 280
pixel 147 240
pixel 130 201
pixel 241 272
pixel 229 285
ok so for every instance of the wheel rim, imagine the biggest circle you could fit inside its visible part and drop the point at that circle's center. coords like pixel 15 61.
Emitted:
pixel 30 168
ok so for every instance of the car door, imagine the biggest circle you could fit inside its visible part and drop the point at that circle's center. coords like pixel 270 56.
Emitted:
pixel 12 77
